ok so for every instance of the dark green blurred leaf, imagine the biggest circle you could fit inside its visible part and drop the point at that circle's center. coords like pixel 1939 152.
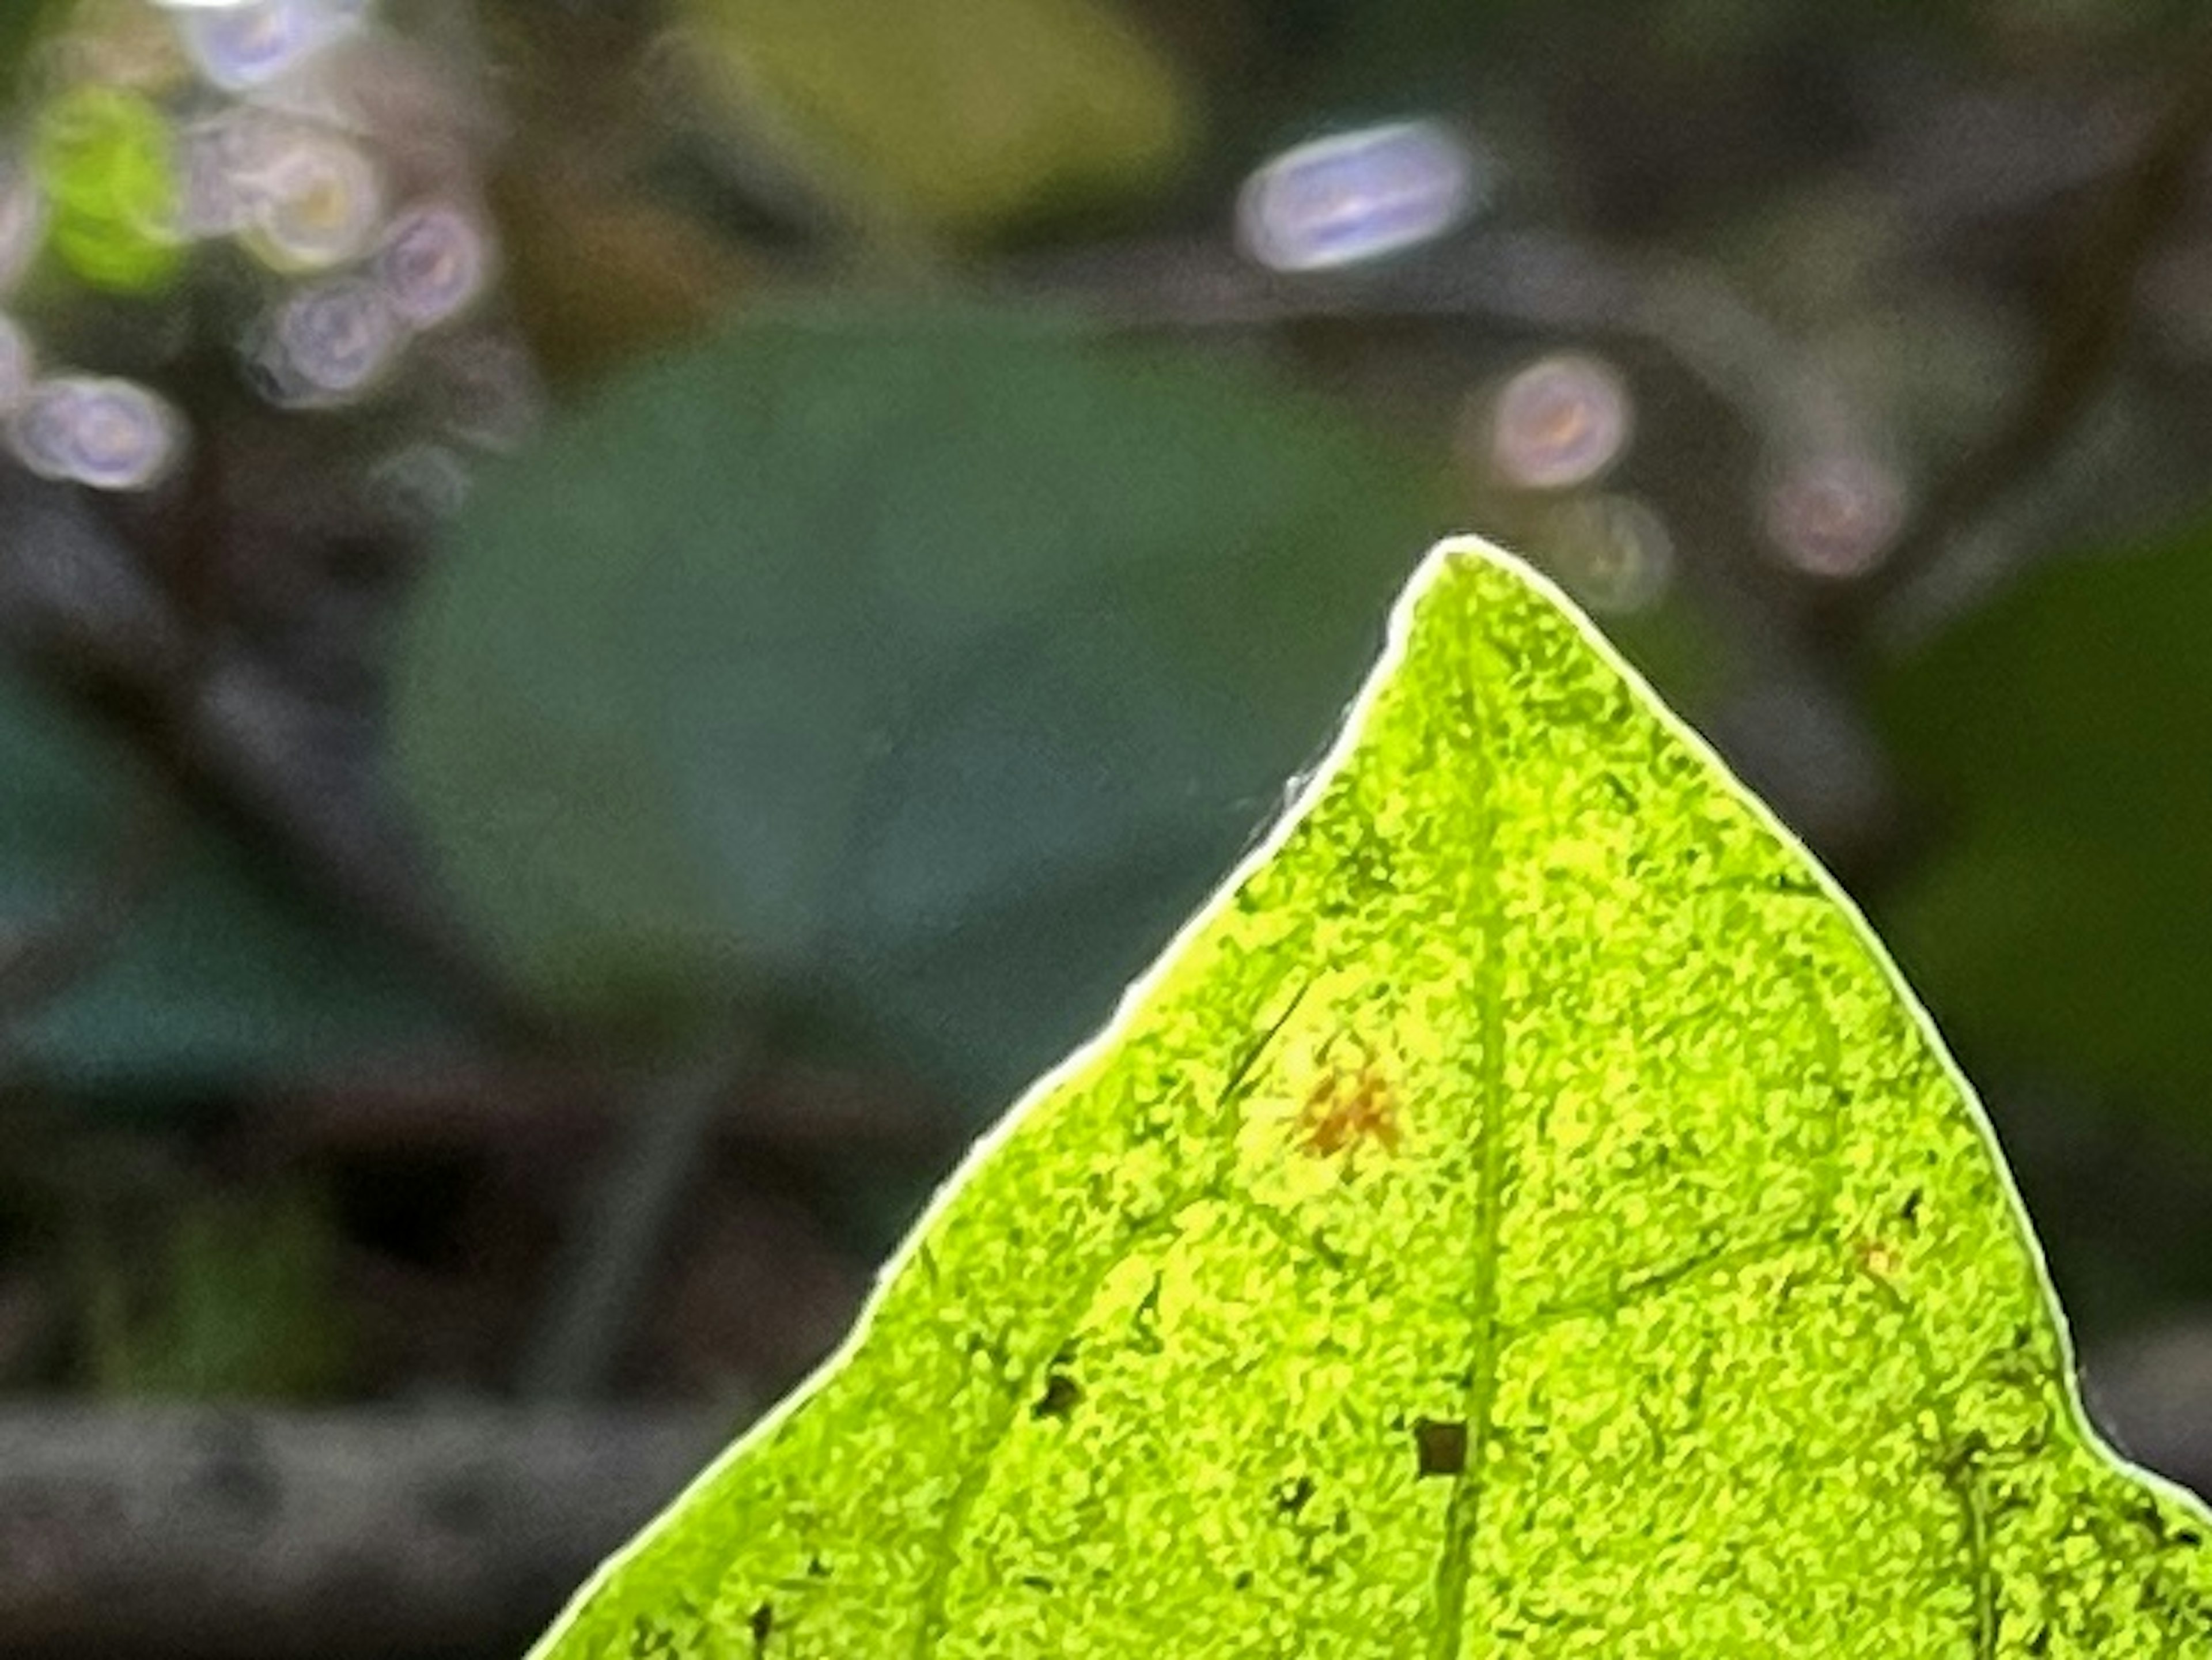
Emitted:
pixel 928 668
pixel 201 974
pixel 958 114
pixel 20 23
pixel 2066 920
pixel 1355 53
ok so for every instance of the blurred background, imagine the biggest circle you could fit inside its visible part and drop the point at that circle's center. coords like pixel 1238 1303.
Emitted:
pixel 620 616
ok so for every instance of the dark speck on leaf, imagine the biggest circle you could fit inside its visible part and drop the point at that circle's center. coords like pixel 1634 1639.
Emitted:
pixel 1063 1395
pixel 1909 1212
pixel 1441 1445
pixel 1036 1582
pixel 1291 1496
pixel 763 1623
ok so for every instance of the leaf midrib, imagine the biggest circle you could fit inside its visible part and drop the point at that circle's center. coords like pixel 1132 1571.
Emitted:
pixel 1479 1398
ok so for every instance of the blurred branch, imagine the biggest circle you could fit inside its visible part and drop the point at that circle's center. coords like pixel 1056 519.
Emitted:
pixel 796 1110
pixel 76 604
pixel 190 1533
pixel 1543 282
pixel 256 754
pixel 1959 160
pixel 608 1260
pixel 2089 324
pixel 202 1532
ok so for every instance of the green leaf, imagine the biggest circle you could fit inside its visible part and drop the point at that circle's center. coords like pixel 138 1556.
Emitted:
pixel 2061 922
pixel 1523 1213
pixel 106 161
pixel 244 1304
pixel 927 668
pixel 957 114
pixel 198 970
pixel 20 27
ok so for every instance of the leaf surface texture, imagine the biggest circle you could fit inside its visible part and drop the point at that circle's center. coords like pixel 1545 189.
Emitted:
pixel 1524 1213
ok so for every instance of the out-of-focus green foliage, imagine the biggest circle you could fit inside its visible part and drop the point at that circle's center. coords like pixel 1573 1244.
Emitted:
pixel 961 114
pixel 195 969
pixel 239 1305
pixel 1524 1210
pixel 106 160
pixel 926 666
pixel 20 26
pixel 2062 919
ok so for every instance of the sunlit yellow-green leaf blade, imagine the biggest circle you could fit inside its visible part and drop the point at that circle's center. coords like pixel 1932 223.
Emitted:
pixel 1524 1214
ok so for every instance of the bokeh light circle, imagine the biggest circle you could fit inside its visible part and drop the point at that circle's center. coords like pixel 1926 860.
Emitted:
pixel 109 433
pixel 1561 422
pixel 1357 196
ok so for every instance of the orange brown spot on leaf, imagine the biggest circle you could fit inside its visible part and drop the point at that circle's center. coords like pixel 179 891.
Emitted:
pixel 1347 1108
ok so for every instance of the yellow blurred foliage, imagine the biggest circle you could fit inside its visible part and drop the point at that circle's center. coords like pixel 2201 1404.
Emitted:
pixel 955 115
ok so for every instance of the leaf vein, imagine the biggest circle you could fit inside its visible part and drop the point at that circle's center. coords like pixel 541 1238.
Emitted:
pixel 1463 1515
pixel 1163 1222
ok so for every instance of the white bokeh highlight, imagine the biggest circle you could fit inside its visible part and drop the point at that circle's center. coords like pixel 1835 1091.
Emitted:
pixel 107 434
pixel 1359 196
